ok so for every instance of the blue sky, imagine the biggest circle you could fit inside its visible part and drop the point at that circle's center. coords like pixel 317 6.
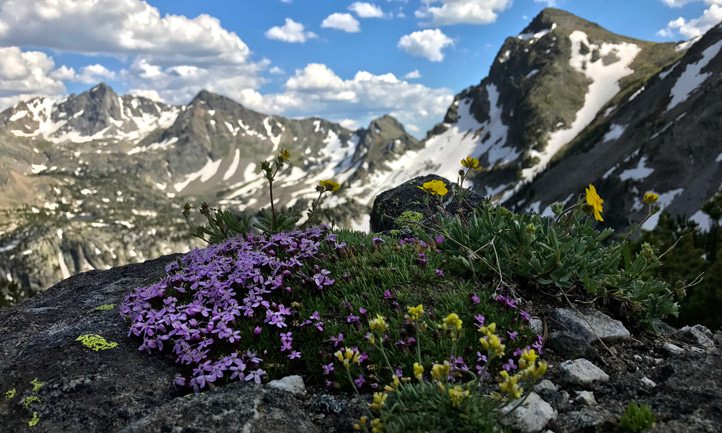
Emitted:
pixel 347 61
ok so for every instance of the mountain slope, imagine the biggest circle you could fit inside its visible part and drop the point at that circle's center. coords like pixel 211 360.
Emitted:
pixel 664 138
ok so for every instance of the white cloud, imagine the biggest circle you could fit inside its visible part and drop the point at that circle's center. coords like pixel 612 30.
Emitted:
pixel 88 74
pixel 413 74
pixel 676 3
pixel 25 74
pixel 366 10
pixel 119 28
pixel 317 90
pixel 341 21
pixel 426 43
pixel 349 124
pixel 290 32
pixel 551 3
pixel 696 26
pixel 276 71
pixel 150 94
pixel 461 11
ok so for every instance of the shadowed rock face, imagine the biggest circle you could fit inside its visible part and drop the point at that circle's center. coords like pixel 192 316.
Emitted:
pixel 408 197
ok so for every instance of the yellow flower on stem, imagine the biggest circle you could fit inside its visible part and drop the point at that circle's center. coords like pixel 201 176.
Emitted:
pixel 379 323
pixel 418 371
pixel 440 371
pixel 415 313
pixel 650 198
pixel 471 163
pixel 457 394
pixel 595 202
pixel 379 400
pixel 285 154
pixel 527 358
pixel 435 187
pixel 329 185
pixel 509 385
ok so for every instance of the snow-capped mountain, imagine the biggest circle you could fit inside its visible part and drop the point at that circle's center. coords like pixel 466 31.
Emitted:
pixel 97 180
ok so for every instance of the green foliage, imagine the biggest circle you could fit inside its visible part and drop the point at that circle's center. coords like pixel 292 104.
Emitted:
pixel 285 221
pixel 691 262
pixel 636 418
pixel 222 224
pixel 424 407
pixel 564 252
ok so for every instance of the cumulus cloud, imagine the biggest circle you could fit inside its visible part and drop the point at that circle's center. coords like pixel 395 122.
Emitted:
pixel 413 74
pixel 276 71
pixel 290 32
pixel 349 124
pixel 24 74
pixel 553 3
pixel 146 93
pixel 366 10
pixel 461 11
pixel 88 74
pixel 426 43
pixel 119 27
pixel 318 90
pixel 341 21
pixel 696 26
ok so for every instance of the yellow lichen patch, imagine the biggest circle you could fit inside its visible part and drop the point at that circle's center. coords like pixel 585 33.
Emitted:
pixel 34 421
pixel 29 400
pixel 36 385
pixel 10 394
pixel 96 342
pixel 104 307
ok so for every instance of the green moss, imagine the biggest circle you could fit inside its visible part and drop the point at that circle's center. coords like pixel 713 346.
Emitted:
pixel 394 232
pixel 96 342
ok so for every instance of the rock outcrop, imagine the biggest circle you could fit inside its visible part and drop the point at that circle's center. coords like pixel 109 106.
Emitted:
pixel 68 365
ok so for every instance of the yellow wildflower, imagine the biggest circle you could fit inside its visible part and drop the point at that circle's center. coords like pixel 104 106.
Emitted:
pixel 418 371
pixel 453 321
pixel 285 154
pixel 651 198
pixel 509 385
pixel 595 202
pixel 415 313
pixel 493 345
pixel 377 426
pixel 470 162
pixel 435 187
pixel 361 424
pixel 457 394
pixel 488 330
pixel 440 371
pixel 329 185
pixel 527 358
pixel 379 400
pixel 379 323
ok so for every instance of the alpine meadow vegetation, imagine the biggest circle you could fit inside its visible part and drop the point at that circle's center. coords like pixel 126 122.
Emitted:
pixel 428 328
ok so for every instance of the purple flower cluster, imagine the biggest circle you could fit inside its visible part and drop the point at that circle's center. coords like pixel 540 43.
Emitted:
pixel 211 295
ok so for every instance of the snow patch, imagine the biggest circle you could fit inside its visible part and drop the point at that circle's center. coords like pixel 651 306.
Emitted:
pixel 208 171
pixel 692 76
pixel 234 165
pixel 604 85
pixel 19 115
pixel 639 172
pixel 37 168
pixel 534 36
pixel 615 131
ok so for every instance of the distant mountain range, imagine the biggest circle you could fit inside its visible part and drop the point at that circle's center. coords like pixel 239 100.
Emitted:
pixel 98 180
